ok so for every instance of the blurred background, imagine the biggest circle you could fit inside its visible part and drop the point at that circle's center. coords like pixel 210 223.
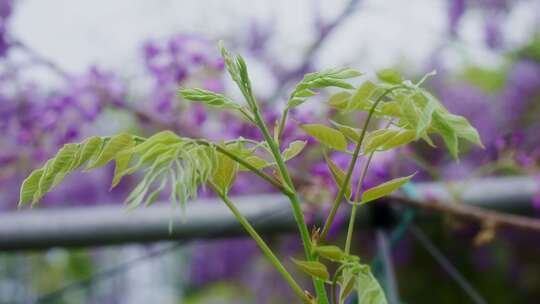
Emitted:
pixel 71 69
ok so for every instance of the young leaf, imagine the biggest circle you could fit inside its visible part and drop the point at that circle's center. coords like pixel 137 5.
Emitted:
pixel 121 164
pixel 349 132
pixel 337 174
pixel 58 166
pixel 333 253
pixel 384 189
pixel 293 149
pixel 30 186
pixel 209 98
pixel 318 80
pixel 360 99
pixel 348 283
pixel 313 268
pixel 462 128
pixel 401 138
pixel 340 100
pixel 369 290
pixel 327 136
pixel 256 162
pixel 225 173
pixel 230 63
pixel 389 76
pixel 377 138
pixel 447 133
pixel 115 145
pixel 90 149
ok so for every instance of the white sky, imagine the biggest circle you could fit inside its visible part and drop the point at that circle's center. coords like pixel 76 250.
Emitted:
pixel 77 33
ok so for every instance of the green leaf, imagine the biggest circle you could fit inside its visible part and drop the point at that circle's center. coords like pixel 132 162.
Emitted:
pixel 401 138
pixel 225 173
pixel 338 175
pixel 384 189
pixel 327 136
pixel 369 290
pixel 389 76
pixel 390 108
pixel 90 149
pixel 348 283
pixel 319 80
pixel 330 252
pixel 447 133
pixel 230 63
pixel 313 268
pixel 377 138
pixel 30 186
pixel 116 144
pixel 462 128
pixel 56 167
pixel 340 100
pixel 256 162
pixel 351 133
pixel 209 98
pixel 122 161
pixel 294 149
pixel 361 98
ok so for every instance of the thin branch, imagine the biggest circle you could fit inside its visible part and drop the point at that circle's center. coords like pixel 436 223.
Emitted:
pixel 495 218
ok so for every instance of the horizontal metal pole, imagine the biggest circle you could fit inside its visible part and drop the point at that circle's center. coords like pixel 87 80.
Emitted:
pixel 207 218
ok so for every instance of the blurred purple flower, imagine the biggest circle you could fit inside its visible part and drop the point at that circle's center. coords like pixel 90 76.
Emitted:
pixel 456 10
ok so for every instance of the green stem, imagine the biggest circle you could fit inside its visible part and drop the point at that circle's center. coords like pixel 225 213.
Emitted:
pixel 346 180
pixel 253 169
pixel 262 245
pixel 282 122
pixel 355 206
pixel 293 198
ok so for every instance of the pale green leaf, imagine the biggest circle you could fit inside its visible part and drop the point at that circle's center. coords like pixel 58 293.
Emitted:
pixel 462 128
pixel 255 161
pixel 361 98
pixel 209 98
pixel 338 175
pixel 384 189
pixel 351 133
pixel 30 186
pixel 90 149
pixel 327 136
pixel 313 268
pixel 122 161
pixel 447 133
pixel 293 149
pixel 319 80
pixel 330 252
pixel 369 290
pixel 116 144
pixel 340 100
pixel 389 76
pixel 225 173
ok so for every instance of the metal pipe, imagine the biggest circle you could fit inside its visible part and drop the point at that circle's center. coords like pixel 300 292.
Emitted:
pixel 206 218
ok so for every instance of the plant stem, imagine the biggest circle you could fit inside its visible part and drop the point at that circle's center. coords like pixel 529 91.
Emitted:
pixel 293 198
pixel 262 245
pixel 352 163
pixel 355 206
pixel 284 189
pixel 282 122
